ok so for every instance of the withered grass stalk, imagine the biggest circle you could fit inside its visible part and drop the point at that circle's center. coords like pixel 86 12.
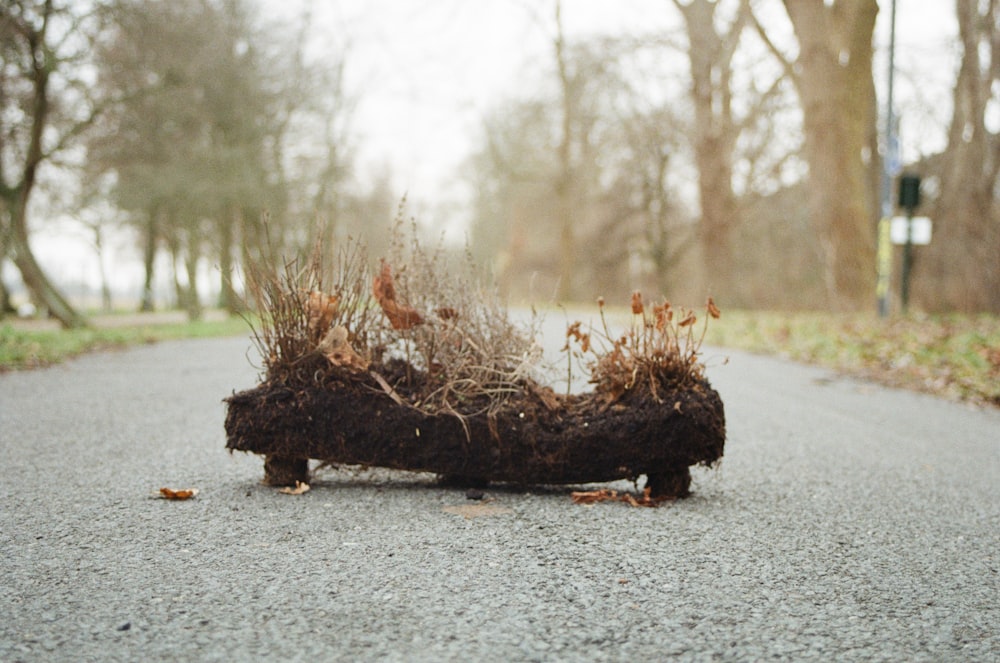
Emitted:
pixel 460 351
pixel 658 352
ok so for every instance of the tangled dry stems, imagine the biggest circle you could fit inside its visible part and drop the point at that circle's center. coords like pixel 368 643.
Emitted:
pixel 432 339
pixel 423 330
pixel 658 353
pixel 288 335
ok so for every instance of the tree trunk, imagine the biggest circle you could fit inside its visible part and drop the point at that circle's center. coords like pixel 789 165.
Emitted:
pixel 564 179
pixel 835 85
pixel 192 303
pixel 106 299
pixel 15 198
pixel 228 299
pixel 6 305
pixel 35 280
pixel 146 303
pixel 960 270
pixel 42 289
pixel 710 55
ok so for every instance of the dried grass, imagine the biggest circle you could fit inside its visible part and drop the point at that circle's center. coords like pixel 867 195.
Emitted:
pixel 419 325
pixel 658 353
pixel 422 330
pixel 288 335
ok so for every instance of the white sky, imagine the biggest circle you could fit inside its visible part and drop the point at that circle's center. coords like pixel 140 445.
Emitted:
pixel 426 72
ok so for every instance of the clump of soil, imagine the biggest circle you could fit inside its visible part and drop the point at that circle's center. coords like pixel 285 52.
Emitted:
pixel 412 366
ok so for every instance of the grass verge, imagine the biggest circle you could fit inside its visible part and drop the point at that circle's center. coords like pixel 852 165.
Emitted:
pixel 954 356
pixel 22 348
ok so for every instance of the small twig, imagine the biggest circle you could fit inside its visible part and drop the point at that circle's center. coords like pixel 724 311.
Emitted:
pixel 387 388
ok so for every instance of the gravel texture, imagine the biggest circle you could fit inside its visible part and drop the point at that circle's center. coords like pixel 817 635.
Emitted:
pixel 847 522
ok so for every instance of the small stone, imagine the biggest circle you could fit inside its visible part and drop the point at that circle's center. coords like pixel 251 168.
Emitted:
pixel 474 494
pixel 124 627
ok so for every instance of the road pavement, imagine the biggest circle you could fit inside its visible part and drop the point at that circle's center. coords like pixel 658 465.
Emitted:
pixel 846 522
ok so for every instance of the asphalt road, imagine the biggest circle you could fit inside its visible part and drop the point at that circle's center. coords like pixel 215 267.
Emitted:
pixel 846 522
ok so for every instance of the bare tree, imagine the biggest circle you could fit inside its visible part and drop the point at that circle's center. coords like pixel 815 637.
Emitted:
pixel 146 144
pixel 960 269
pixel 44 108
pixel 539 168
pixel 218 123
pixel 646 192
pixel 511 173
pixel 565 177
pixel 710 53
pixel 833 76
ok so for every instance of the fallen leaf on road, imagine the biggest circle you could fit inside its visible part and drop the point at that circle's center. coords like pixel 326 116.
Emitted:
pixel 608 495
pixel 470 511
pixel 593 496
pixel 185 494
pixel 300 488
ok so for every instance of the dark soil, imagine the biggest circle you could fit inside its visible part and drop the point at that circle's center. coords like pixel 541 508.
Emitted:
pixel 534 437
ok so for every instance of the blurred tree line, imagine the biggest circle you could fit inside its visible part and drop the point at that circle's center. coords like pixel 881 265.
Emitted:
pixel 738 156
pixel 751 173
pixel 215 136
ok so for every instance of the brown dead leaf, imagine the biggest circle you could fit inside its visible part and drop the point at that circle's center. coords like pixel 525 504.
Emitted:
pixel 320 309
pixel 300 488
pixel 583 338
pixel 183 494
pixel 481 510
pixel 608 495
pixel 384 289
pixel 593 496
pixel 713 310
pixel 336 348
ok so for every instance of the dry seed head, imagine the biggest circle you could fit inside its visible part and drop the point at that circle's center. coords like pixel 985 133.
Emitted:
pixel 663 314
pixel 713 310
pixel 637 308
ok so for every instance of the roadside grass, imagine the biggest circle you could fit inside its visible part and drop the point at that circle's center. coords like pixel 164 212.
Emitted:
pixel 26 348
pixel 954 356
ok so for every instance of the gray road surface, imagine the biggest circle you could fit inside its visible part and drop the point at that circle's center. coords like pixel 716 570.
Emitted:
pixel 846 522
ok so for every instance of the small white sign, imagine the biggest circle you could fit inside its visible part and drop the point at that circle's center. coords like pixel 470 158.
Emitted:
pixel 920 232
